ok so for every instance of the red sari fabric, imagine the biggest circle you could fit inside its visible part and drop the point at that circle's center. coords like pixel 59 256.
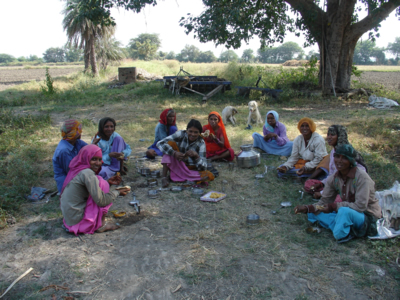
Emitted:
pixel 212 148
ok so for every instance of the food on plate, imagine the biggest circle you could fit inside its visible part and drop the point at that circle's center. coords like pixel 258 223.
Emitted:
pixel 319 207
pixel 216 195
pixel 123 187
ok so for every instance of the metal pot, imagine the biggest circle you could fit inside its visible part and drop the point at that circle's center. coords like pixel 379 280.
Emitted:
pixel 253 219
pixel 248 158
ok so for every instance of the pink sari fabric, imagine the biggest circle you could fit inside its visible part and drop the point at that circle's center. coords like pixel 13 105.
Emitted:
pixel 178 170
pixel 93 213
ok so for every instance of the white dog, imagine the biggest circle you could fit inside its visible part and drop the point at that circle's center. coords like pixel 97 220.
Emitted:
pixel 228 114
pixel 254 114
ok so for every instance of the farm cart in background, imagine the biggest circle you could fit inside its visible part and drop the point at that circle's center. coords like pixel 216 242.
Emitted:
pixel 245 90
pixel 206 86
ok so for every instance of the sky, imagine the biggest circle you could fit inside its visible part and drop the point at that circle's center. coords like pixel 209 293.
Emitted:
pixel 29 27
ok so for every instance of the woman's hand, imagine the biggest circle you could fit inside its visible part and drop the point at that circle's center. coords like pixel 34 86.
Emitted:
pixel 301 171
pixel 300 209
pixel 115 180
pixel 317 195
pixel 117 155
pixel 282 169
pixel 324 209
pixel 96 140
pixel 192 154
pixel 268 137
pixel 179 156
pixel 316 186
pixel 123 192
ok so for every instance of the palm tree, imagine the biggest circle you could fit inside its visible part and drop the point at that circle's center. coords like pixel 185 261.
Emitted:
pixel 108 50
pixel 83 33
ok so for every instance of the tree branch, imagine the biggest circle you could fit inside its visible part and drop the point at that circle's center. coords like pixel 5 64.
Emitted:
pixel 374 18
pixel 312 14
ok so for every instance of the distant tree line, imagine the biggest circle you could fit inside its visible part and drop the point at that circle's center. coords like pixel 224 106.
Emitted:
pixel 146 47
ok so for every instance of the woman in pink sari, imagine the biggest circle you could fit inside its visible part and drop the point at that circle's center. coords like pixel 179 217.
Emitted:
pixel 85 196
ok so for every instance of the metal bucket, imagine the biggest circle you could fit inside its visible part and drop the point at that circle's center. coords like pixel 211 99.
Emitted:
pixel 248 158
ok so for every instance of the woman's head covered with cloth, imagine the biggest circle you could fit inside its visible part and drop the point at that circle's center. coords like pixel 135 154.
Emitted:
pixel 310 123
pixel 267 125
pixel 341 133
pixel 71 130
pixel 221 127
pixel 82 162
pixel 164 117
pixel 347 151
pixel 102 124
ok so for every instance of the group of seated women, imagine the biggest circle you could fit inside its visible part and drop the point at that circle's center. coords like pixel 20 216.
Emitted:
pixel 84 172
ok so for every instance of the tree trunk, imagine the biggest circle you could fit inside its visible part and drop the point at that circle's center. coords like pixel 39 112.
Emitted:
pixel 86 57
pixel 93 61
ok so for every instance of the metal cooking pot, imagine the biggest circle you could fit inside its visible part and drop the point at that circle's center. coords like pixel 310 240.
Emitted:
pixel 248 158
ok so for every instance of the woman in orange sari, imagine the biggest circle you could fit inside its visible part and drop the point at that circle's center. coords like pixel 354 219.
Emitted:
pixel 217 143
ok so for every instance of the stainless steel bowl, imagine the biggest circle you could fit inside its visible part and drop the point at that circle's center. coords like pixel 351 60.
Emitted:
pixel 145 171
pixel 152 182
pixel 253 219
pixel 153 193
pixel 155 174
pixel 176 189
pixel 198 192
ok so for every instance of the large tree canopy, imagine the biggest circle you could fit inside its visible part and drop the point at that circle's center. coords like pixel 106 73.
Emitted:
pixel 336 28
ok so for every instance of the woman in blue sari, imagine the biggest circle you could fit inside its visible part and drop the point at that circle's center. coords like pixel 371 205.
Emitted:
pixel 165 127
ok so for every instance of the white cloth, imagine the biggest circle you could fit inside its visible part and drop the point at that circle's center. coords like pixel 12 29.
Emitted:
pixel 314 152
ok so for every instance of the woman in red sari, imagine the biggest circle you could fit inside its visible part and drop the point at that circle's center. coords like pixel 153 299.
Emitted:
pixel 217 143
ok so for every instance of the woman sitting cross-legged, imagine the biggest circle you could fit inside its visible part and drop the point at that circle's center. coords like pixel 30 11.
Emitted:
pixel 115 150
pixel 275 140
pixel 165 127
pixel 184 155
pixel 86 197
pixel 359 210
pixel 308 151
pixel 336 136
pixel 217 143
pixel 66 150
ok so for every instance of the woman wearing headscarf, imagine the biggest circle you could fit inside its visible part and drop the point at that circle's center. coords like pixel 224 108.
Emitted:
pixel 357 214
pixel 217 143
pixel 184 155
pixel 308 151
pixel 66 150
pixel 115 150
pixel 275 140
pixel 336 137
pixel 166 126
pixel 85 196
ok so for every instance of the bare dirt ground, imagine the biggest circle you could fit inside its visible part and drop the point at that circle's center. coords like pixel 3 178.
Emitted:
pixel 14 76
pixel 391 80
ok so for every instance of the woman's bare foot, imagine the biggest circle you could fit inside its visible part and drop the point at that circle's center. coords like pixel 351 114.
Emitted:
pixel 164 182
pixel 108 227
pixel 205 178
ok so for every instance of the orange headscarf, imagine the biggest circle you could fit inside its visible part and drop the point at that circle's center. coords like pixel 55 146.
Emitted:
pixel 213 146
pixel 310 123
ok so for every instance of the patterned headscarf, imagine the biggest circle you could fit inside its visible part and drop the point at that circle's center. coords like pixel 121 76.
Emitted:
pixel 71 129
pixel 310 123
pixel 342 139
pixel 348 151
pixel 102 123
pixel 164 117
pixel 341 133
pixel 276 116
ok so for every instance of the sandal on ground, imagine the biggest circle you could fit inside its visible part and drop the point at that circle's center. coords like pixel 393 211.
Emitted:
pixel 108 227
